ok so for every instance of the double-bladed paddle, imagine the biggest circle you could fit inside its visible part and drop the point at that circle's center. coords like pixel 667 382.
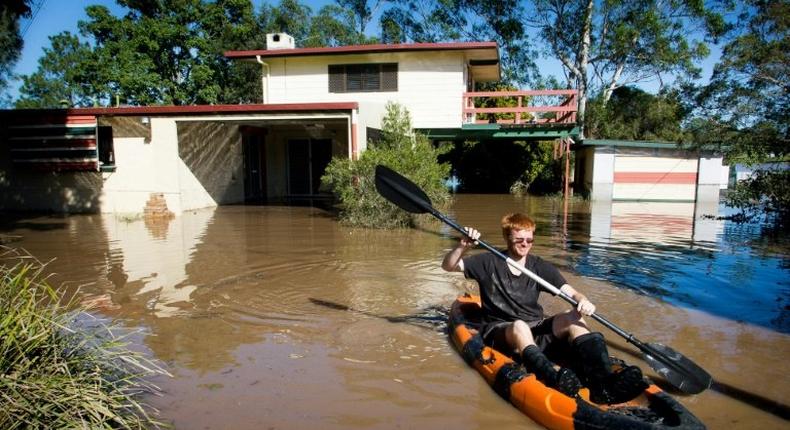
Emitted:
pixel 677 369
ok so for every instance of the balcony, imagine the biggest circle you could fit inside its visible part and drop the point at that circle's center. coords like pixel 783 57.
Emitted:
pixel 525 108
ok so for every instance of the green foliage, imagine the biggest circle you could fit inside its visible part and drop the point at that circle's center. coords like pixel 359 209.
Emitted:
pixel 66 61
pixel 745 109
pixel 605 45
pixel 335 26
pixel 171 52
pixel 289 17
pixel 407 152
pixel 58 369
pixel 633 114
pixel 540 169
pixel 767 191
pixel 498 102
pixel 504 166
pixel 10 38
pixel 470 20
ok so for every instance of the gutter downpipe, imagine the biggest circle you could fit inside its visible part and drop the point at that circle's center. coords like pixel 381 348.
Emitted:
pixel 264 80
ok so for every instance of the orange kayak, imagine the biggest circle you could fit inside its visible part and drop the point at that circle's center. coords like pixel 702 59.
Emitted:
pixel 653 409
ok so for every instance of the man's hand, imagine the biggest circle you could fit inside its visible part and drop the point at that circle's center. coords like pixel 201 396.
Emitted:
pixel 471 237
pixel 585 307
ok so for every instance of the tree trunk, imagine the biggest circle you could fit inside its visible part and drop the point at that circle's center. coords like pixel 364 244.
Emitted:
pixel 582 62
pixel 607 93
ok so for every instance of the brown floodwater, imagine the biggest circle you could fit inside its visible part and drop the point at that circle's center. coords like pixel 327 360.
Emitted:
pixel 279 318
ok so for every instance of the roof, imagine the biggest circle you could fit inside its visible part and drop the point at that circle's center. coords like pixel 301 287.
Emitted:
pixel 180 110
pixel 366 49
pixel 483 57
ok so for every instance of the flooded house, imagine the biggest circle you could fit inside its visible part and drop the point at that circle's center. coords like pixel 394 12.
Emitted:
pixel 316 104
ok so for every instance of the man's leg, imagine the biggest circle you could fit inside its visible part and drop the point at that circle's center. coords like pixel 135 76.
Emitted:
pixel 519 335
pixel 605 385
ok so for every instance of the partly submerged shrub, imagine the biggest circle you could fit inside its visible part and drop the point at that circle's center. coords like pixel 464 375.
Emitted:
pixel 766 192
pixel 59 366
pixel 399 148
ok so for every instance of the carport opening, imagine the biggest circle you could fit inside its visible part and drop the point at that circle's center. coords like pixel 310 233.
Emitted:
pixel 264 162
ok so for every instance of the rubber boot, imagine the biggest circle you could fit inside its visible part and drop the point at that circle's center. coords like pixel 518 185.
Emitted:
pixel 605 385
pixel 563 380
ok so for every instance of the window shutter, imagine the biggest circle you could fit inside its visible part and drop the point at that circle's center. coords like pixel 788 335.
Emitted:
pixel 389 77
pixel 353 77
pixel 337 78
pixel 371 80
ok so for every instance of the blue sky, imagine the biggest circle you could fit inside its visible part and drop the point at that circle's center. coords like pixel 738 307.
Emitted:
pixel 56 16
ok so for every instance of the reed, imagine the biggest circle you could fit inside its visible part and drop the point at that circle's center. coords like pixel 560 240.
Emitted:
pixel 61 367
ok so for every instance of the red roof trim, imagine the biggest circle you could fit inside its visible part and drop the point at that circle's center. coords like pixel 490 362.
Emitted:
pixel 362 49
pixel 194 109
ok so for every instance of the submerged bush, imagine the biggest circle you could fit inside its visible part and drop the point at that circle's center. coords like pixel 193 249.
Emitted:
pixel 60 367
pixel 766 192
pixel 399 148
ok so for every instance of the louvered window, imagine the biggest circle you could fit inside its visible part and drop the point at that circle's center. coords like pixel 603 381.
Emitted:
pixel 352 78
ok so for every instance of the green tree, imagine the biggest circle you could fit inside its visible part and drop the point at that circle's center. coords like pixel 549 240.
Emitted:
pixel 360 10
pixel 335 26
pixel 400 148
pixel 633 114
pixel 10 38
pixel 745 109
pixel 607 44
pixel 158 52
pixel 289 17
pixel 65 76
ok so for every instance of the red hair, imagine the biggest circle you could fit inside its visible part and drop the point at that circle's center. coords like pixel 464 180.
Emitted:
pixel 516 221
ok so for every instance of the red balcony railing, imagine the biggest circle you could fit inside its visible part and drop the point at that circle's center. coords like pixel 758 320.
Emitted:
pixel 527 107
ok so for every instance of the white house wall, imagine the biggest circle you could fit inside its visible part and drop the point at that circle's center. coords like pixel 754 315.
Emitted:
pixel 602 173
pixel 142 169
pixel 430 85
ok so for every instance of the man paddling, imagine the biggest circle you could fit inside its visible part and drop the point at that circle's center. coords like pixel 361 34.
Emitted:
pixel 513 320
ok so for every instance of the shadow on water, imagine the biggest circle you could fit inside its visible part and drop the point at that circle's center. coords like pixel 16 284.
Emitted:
pixel 774 407
pixel 433 317
pixel 763 403
pixel 32 221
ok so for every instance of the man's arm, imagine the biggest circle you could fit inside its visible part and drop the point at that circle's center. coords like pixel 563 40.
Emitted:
pixel 585 307
pixel 453 260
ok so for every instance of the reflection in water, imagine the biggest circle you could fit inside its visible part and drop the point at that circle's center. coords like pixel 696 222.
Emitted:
pixel 681 253
pixel 277 317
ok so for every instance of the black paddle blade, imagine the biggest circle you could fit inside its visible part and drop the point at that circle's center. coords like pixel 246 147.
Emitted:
pixel 676 368
pixel 401 191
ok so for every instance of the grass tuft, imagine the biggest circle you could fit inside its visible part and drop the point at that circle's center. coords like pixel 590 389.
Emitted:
pixel 60 367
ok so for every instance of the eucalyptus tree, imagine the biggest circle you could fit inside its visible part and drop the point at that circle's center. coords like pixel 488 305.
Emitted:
pixel 335 25
pixel 361 11
pixel 605 44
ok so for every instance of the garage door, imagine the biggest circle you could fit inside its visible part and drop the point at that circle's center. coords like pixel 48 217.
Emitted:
pixel 643 176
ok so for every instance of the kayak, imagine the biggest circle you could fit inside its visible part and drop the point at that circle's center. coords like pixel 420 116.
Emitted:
pixel 653 409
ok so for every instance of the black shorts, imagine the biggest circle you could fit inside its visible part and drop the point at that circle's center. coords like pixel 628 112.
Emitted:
pixel 494 336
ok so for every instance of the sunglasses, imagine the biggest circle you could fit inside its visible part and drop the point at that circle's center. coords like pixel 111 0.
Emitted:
pixel 522 239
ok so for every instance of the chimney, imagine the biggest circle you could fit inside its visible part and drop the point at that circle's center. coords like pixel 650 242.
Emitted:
pixel 279 41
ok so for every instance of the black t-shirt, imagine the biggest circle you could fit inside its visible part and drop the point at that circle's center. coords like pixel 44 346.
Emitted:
pixel 508 297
